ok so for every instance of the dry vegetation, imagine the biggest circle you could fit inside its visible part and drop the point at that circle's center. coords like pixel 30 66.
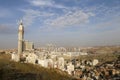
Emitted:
pixel 101 57
pixel 103 54
pixel 10 70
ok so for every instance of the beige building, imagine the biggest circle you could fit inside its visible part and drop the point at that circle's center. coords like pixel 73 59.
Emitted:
pixel 27 45
pixel 22 44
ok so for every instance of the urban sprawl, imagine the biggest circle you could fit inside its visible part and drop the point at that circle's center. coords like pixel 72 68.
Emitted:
pixel 66 59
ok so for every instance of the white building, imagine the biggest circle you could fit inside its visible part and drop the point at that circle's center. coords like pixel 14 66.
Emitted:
pixel 31 58
pixel 95 62
pixel 42 63
pixel 48 63
pixel 70 68
pixel 61 63
pixel 15 57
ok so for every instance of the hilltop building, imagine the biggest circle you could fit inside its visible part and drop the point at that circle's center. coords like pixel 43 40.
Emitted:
pixel 23 45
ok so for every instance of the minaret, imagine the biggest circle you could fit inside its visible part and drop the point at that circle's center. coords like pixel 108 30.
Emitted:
pixel 20 37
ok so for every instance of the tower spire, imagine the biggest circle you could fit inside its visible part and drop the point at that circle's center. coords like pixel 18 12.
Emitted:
pixel 21 22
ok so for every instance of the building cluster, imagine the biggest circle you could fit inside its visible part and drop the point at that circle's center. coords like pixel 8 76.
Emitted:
pixel 52 57
pixel 105 71
pixel 49 57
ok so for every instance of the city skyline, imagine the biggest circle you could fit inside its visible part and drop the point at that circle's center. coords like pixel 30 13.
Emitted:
pixel 64 22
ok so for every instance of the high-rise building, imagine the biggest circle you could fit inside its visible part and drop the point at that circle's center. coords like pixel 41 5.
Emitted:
pixel 27 45
pixel 20 37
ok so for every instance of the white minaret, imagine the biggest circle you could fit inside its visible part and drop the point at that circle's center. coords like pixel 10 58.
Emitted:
pixel 20 37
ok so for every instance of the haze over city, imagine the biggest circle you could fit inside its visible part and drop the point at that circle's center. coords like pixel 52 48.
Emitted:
pixel 61 22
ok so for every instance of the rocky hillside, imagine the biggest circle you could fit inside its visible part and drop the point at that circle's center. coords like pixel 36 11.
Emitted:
pixel 10 70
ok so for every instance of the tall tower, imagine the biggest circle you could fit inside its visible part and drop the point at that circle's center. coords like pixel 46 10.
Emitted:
pixel 20 37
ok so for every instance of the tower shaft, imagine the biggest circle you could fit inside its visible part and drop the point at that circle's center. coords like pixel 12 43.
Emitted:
pixel 20 38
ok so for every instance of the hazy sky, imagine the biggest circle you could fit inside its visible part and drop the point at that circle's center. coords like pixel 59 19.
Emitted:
pixel 61 22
